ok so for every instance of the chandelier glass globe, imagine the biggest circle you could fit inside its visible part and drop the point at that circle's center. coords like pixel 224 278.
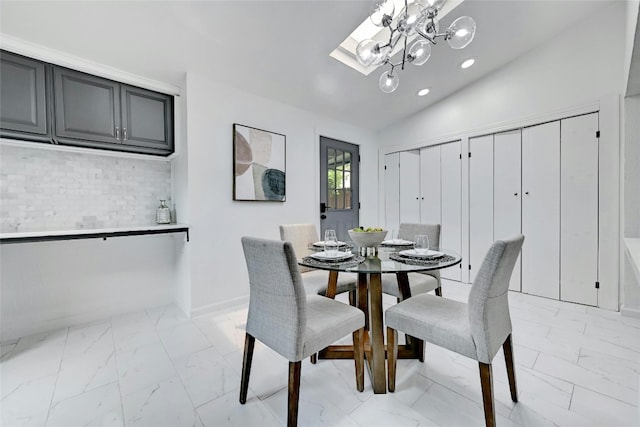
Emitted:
pixel 381 9
pixel 389 81
pixel 366 52
pixel 420 52
pixel 461 32
pixel 410 19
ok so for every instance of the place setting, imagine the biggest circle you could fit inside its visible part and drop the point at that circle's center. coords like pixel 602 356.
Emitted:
pixel 420 254
pixel 396 241
pixel 333 252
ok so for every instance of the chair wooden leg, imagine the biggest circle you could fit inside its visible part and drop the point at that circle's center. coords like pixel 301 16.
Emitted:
pixel 486 381
pixel 352 298
pixel 314 358
pixel 249 343
pixel 294 393
pixel 507 347
pixel 392 357
pixel 439 291
pixel 358 355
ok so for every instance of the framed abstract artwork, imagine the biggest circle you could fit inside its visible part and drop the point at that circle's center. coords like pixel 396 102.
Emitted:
pixel 259 161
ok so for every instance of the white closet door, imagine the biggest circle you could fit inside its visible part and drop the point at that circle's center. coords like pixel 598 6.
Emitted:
pixel 392 190
pixel 507 202
pixel 480 201
pixel 451 234
pixel 410 186
pixel 430 185
pixel 579 209
pixel 541 210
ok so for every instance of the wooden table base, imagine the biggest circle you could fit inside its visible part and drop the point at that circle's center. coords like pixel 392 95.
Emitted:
pixel 369 300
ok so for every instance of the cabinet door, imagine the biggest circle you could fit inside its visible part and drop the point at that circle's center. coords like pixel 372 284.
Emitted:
pixel 410 186
pixel 480 201
pixel 451 234
pixel 507 199
pixel 87 108
pixel 579 209
pixel 392 190
pixel 430 185
pixel 23 106
pixel 541 210
pixel 147 118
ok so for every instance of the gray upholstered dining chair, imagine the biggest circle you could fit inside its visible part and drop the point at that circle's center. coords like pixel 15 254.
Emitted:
pixel 420 282
pixel 283 317
pixel 477 329
pixel 315 281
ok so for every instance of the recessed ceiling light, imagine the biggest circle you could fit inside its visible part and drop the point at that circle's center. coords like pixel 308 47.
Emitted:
pixel 423 92
pixel 468 63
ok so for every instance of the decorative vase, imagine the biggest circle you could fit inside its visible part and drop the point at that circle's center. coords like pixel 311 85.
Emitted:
pixel 163 213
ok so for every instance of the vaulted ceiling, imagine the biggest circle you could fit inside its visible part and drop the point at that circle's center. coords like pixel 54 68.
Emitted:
pixel 280 49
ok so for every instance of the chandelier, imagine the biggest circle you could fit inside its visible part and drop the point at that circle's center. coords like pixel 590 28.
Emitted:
pixel 416 20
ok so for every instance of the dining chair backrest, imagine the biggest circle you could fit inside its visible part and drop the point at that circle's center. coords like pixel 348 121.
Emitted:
pixel 488 303
pixel 300 235
pixel 277 300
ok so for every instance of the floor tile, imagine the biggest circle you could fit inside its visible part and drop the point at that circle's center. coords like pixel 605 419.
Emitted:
pixel 206 375
pixel 98 407
pixel 80 374
pixel 143 367
pixel 162 404
pixel 226 411
pixel 28 403
pixel 603 409
pixel 182 340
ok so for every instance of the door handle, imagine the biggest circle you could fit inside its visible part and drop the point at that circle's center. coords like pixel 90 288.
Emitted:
pixel 323 216
pixel 323 207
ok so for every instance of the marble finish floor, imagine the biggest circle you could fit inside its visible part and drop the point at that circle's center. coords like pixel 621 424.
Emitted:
pixel 575 366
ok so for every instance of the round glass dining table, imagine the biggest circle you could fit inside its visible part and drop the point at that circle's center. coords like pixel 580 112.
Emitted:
pixel 370 269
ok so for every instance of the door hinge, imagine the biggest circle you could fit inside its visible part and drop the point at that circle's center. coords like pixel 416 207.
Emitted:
pixel 469 267
pixel 385 167
pixel 358 157
pixel 597 285
pixel 358 205
pixel 460 156
pixel 469 154
pixel 460 265
pixel 597 134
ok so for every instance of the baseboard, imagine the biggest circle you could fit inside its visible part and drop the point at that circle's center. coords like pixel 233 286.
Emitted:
pixel 228 305
pixel 630 312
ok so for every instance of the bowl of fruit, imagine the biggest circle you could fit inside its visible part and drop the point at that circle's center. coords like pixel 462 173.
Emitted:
pixel 369 237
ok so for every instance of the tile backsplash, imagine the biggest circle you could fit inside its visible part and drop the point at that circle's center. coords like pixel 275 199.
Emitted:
pixel 58 190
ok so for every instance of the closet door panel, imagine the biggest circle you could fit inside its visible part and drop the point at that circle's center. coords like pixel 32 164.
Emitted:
pixel 410 186
pixel 507 208
pixel 541 210
pixel 430 185
pixel 480 201
pixel 392 190
pixel 579 209
pixel 451 234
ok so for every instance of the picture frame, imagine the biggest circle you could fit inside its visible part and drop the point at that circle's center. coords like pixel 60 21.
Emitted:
pixel 259 164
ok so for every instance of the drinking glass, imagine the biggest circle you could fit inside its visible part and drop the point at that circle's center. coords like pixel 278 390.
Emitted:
pixel 330 243
pixel 422 244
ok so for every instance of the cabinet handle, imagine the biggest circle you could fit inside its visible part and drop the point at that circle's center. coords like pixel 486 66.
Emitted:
pixel 526 192
pixel 125 133
pixel 515 194
pixel 118 133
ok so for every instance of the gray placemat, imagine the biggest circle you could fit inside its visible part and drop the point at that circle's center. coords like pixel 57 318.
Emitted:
pixel 414 261
pixel 391 245
pixel 351 262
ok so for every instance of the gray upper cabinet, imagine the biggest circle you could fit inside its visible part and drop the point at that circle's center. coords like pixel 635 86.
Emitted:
pixel 87 108
pixel 147 118
pixel 23 107
pixel 48 103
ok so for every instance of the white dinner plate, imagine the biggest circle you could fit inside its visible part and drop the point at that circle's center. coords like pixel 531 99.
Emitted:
pixel 323 256
pixel 397 242
pixel 321 244
pixel 411 253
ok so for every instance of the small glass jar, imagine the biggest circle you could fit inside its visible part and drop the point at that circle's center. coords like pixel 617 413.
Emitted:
pixel 163 213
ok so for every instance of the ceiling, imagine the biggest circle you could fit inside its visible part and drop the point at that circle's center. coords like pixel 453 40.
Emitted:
pixel 280 49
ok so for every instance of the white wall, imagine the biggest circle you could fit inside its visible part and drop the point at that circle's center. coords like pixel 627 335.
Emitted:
pixel 218 270
pixel 576 67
